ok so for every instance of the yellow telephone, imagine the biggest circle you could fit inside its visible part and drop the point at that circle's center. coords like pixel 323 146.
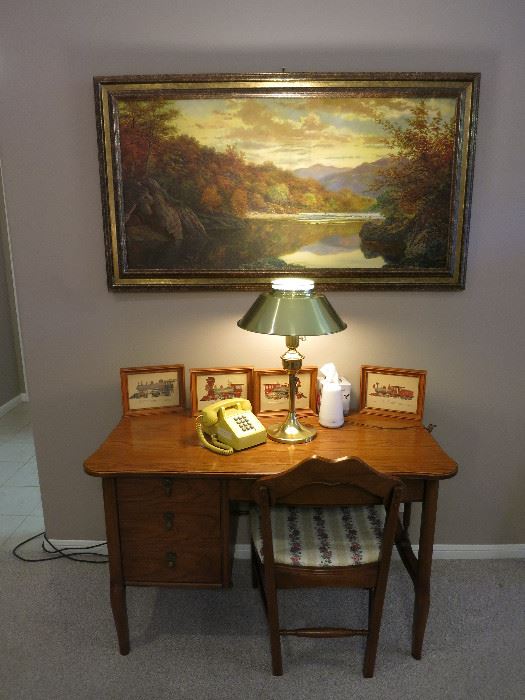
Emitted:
pixel 231 426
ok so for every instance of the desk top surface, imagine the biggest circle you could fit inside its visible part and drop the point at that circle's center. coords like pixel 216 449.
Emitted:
pixel 168 444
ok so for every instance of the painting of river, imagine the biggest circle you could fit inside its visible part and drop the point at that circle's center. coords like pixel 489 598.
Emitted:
pixel 294 241
pixel 320 240
pixel 231 181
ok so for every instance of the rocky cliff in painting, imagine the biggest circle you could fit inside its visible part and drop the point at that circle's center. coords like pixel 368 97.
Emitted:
pixel 154 223
pixel 405 244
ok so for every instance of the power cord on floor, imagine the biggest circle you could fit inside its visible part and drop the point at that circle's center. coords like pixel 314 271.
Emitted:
pixel 62 552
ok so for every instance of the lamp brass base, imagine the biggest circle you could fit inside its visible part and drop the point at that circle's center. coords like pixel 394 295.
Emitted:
pixel 291 431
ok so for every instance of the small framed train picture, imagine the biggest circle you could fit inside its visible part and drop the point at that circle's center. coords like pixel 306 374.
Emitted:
pixel 158 389
pixel 208 385
pixel 391 392
pixel 271 389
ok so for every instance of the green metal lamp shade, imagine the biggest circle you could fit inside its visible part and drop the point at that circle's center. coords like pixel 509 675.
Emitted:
pixel 291 313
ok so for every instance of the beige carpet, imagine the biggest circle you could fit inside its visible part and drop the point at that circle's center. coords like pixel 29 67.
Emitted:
pixel 57 638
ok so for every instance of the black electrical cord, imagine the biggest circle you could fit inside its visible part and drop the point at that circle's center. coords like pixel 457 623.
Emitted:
pixel 62 552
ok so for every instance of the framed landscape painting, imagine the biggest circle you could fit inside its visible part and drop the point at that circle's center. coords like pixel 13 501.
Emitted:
pixel 359 181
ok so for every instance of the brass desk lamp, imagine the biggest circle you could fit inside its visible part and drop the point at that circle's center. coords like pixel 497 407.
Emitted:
pixel 292 309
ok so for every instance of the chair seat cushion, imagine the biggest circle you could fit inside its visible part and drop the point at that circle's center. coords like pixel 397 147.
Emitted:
pixel 322 536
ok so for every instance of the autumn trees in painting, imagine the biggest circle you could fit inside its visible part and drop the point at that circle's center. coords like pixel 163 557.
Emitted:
pixel 210 181
pixel 414 192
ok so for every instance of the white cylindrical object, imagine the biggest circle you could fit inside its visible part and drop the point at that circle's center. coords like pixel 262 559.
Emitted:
pixel 331 410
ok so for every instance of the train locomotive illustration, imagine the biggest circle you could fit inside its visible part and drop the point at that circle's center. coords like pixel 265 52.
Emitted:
pixel 392 392
pixel 213 392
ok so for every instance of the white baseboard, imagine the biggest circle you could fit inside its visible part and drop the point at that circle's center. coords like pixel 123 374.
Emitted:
pixel 77 546
pixel 444 551
pixel 24 398
pixel 11 404
pixel 242 551
pixel 479 551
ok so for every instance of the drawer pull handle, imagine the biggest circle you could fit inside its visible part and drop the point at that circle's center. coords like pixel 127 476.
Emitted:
pixel 168 520
pixel 168 485
pixel 171 558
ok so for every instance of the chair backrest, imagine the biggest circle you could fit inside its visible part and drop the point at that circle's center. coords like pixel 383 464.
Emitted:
pixel 318 481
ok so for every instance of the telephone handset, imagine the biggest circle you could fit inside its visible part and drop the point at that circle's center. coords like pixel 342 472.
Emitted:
pixel 230 425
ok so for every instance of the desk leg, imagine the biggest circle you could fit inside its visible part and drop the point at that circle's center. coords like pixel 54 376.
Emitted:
pixel 424 566
pixel 117 589
pixel 120 615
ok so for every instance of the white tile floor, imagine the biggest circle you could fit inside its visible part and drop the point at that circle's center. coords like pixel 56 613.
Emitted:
pixel 20 505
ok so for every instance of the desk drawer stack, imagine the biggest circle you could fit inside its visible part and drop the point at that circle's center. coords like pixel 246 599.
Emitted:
pixel 170 530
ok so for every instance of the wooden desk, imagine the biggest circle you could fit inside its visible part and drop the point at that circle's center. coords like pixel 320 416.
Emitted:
pixel 168 500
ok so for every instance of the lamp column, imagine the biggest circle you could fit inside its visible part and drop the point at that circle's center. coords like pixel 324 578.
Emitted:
pixel 291 430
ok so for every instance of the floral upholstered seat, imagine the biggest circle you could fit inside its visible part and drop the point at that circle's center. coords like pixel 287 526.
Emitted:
pixel 322 536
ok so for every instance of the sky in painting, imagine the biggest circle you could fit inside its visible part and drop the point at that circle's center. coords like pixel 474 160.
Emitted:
pixel 299 132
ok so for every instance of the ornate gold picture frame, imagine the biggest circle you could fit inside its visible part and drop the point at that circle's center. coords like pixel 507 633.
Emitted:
pixel 357 180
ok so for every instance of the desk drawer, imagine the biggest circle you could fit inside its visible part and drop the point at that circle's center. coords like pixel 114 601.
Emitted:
pixel 172 562
pixel 186 509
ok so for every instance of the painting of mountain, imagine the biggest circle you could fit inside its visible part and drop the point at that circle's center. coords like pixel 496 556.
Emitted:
pixel 317 171
pixel 361 179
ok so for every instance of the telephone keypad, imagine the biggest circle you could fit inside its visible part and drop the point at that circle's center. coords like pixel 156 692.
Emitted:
pixel 243 423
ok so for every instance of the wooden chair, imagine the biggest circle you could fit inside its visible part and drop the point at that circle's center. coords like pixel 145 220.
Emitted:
pixel 324 523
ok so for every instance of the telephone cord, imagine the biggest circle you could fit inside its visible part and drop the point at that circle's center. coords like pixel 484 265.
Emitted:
pixel 216 445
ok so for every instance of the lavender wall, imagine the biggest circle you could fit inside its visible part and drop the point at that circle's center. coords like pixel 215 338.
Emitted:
pixel 9 374
pixel 77 334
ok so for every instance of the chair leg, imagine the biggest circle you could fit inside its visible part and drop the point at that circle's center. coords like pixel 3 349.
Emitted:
pixel 375 611
pixel 255 578
pixel 273 626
